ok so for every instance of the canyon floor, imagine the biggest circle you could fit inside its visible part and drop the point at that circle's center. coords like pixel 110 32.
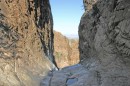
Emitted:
pixel 69 76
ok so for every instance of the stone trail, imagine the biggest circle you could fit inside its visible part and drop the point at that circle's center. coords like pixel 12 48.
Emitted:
pixel 69 76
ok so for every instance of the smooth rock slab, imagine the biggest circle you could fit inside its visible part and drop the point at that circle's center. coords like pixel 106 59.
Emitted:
pixel 75 75
pixel 71 81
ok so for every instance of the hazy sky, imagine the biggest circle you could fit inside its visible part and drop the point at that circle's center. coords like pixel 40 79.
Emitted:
pixel 66 15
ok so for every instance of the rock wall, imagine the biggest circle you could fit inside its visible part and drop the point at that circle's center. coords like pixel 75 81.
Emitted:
pixel 26 42
pixel 104 42
pixel 65 50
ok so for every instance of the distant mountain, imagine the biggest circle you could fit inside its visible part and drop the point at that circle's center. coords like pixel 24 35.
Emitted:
pixel 72 36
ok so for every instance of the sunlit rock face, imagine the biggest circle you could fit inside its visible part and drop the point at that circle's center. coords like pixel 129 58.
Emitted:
pixel 104 43
pixel 65 50
pixel 26 42
pixel 88 4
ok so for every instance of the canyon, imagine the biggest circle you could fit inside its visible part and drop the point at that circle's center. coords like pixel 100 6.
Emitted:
pixel 28 55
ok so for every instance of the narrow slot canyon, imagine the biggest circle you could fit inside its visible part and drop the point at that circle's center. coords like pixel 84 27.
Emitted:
pixel 33 53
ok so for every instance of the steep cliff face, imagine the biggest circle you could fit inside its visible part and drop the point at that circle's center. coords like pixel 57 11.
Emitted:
pixel 104 43
pixel 26 42
pixel 65 50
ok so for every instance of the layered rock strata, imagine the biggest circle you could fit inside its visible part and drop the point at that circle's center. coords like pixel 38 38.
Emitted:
pixel 26 42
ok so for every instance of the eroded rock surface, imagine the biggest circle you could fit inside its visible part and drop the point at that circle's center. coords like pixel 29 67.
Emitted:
pixel 65 50
pixel 88 4
pixel 75 75
pixel 26 42
pixel 104 43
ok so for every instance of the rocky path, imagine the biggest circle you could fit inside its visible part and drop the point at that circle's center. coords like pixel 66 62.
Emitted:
pixel 69 76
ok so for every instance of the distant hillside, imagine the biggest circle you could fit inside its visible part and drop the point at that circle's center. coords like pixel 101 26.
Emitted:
pixel 65 50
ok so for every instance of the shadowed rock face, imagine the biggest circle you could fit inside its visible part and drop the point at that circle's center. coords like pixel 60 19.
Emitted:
pixel 26 42
pixel 104 42
pixel 65 50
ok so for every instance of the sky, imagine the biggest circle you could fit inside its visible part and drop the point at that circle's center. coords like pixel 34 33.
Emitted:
pixel 66 15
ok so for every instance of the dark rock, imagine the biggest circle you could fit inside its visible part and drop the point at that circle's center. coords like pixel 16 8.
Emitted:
pixel 104 43
pixel 71 81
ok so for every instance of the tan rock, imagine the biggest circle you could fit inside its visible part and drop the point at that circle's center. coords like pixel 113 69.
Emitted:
pixel 26 42
pixel 65 50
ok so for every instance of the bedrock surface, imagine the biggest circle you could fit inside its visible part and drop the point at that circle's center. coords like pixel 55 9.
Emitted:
pixel 26 42
pixel 104 41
